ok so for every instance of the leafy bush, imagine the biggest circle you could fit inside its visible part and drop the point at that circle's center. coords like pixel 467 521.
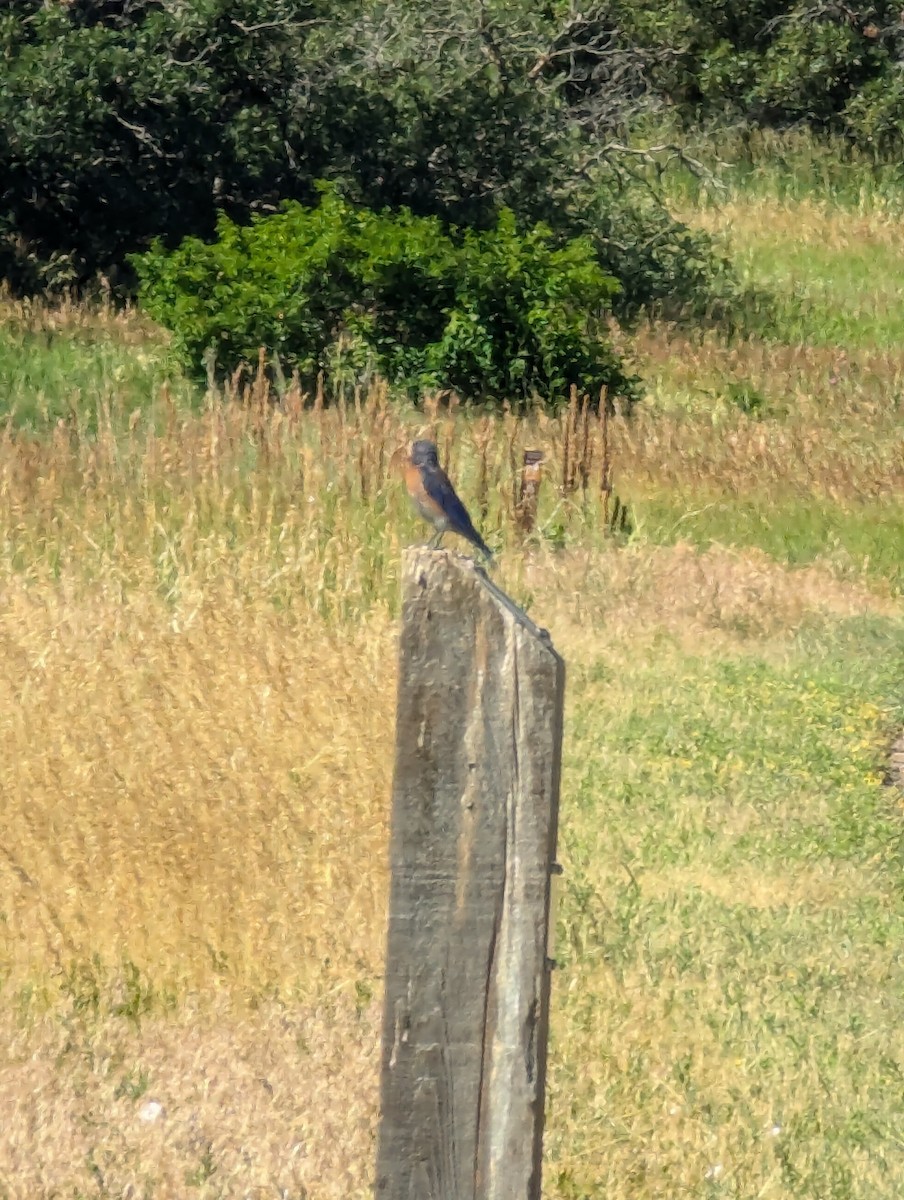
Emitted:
pixel 492 314
pixel 125 120
pixel 122 120
pixel 772 63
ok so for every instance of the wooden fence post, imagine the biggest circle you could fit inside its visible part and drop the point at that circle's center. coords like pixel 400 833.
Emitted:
pixel 475 805
pixel 529 490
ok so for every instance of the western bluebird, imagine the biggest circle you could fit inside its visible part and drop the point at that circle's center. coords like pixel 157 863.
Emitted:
pixel 435 499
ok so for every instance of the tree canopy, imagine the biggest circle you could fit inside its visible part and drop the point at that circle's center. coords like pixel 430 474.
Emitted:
pixel 125 120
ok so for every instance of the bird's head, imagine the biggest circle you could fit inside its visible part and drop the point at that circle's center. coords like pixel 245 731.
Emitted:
pixel 423 454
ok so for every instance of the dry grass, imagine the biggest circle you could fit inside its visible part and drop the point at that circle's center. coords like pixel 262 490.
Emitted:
pixel 197 665
pixel 812 220
pixel 194 832
pixel 68 316
pixel 279 1103
pixel 197 677
pixel 175 793
pixel 249 557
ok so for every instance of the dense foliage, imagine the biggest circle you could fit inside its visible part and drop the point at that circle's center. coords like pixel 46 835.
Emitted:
pixel 126 120
pixel 119 121
pixel 492 313
pixel 122 120
pixel 834 67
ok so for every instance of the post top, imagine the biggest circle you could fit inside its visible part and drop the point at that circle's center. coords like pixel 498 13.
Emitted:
pixel 444 568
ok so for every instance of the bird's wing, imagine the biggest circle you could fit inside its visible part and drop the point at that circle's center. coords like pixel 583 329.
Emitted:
pixel 439 488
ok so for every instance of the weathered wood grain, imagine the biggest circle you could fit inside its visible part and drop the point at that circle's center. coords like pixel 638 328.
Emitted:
pixel 475 800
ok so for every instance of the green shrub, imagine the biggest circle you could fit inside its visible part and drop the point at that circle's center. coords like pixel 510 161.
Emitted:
pixel 121 122
pixel 770 63
pixel 493 314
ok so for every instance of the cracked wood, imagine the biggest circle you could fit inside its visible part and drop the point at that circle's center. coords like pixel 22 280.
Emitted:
pixel 475 800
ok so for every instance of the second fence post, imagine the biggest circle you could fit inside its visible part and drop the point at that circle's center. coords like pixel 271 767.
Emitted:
pixel 474 819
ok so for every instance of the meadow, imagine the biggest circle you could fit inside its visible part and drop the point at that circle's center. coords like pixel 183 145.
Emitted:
pixel 197 684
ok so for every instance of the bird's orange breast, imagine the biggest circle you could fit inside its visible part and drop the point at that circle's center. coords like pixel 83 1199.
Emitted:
pixel 423 501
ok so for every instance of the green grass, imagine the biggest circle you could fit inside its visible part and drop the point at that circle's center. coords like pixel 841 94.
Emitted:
pixel 860 540
pixel 848 297
pixel 732 996
pixel 50 372
pixel 199 607
pixel 839 288
pixel 791 166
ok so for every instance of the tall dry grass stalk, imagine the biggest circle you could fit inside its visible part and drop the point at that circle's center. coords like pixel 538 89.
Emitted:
pixel 181 561
pixel 197 677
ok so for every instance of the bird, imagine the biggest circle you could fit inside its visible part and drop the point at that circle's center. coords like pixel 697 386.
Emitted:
pixel 434 497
